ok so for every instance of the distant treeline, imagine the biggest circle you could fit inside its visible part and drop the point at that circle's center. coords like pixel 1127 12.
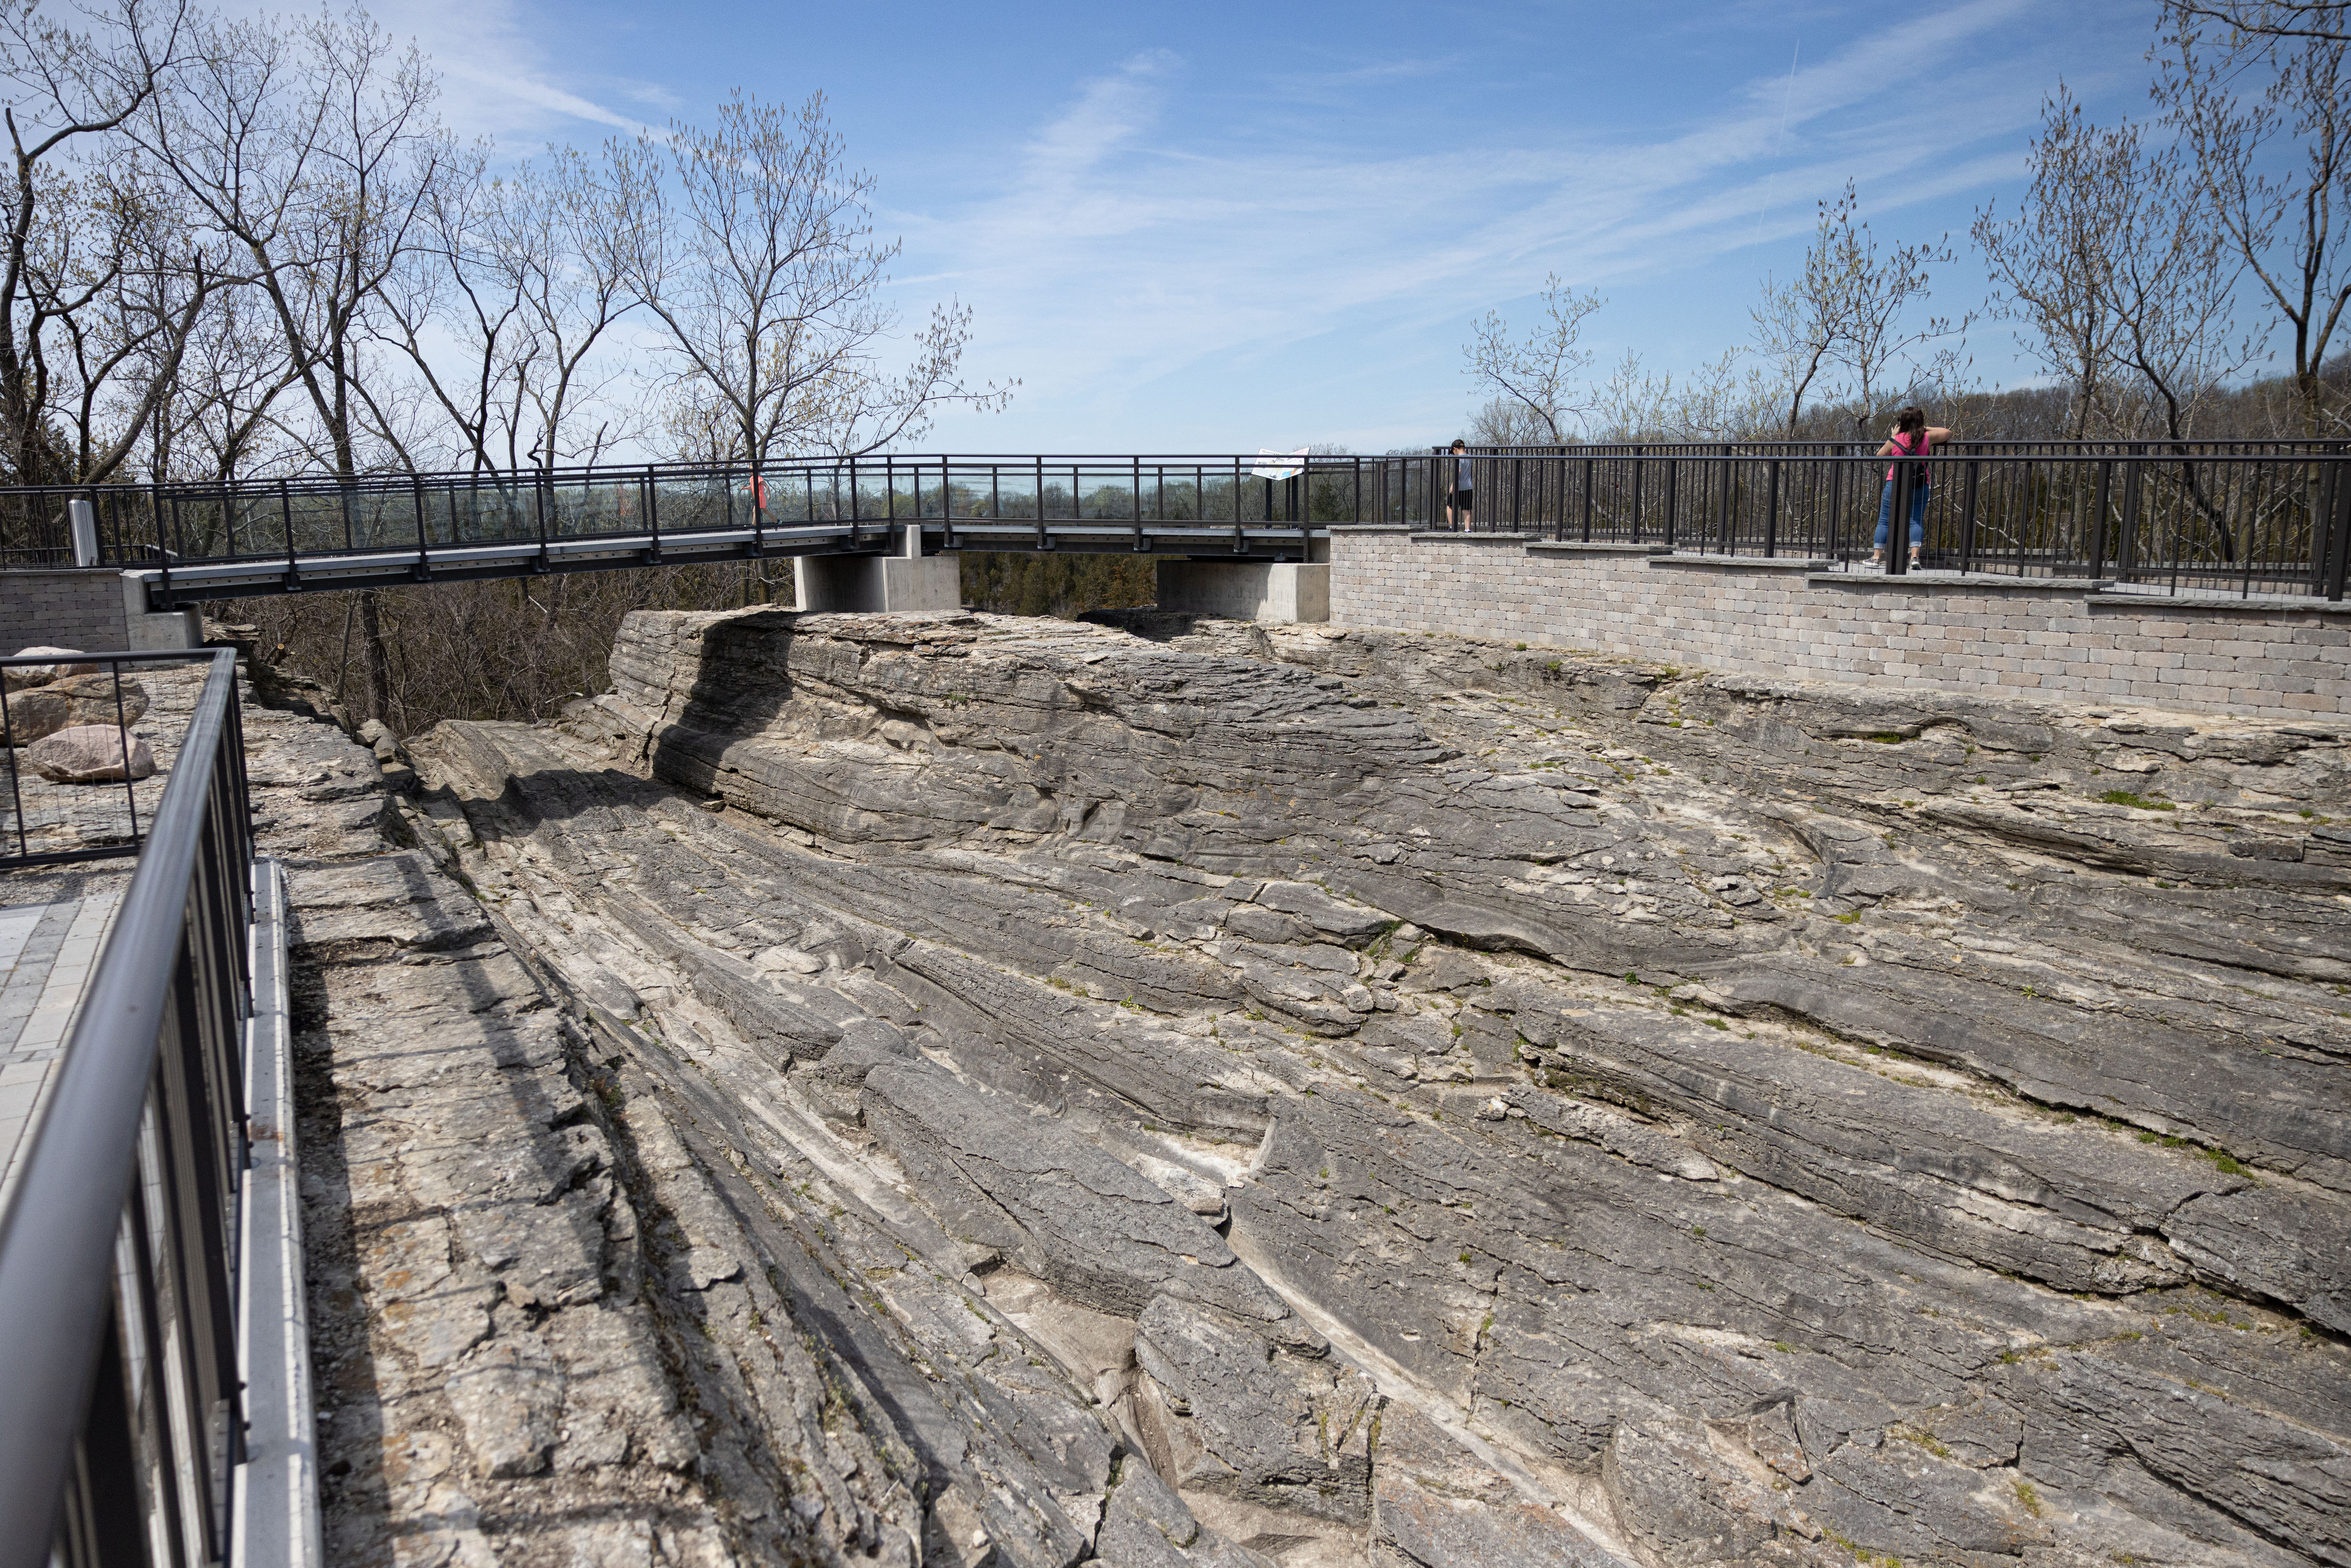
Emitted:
pixel 1062 585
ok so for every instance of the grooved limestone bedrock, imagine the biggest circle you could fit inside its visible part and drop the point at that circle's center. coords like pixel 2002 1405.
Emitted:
pixel 1175 1091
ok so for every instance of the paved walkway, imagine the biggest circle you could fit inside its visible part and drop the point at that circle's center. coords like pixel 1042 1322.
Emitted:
pixel 50 928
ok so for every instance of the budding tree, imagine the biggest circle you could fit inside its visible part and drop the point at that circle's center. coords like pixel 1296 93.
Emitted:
pixel 1892 355
pixel 1538 378
pixel 1800 323
pixel 2053 261
pixel 2276 172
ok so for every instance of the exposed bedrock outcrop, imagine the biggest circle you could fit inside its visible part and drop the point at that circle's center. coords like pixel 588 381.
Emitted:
pixel 1186 1092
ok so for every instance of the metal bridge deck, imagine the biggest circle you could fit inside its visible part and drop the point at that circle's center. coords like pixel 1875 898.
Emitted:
pixel 189 582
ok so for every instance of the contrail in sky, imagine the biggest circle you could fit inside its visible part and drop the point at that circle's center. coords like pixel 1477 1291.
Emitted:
pixel 1785 99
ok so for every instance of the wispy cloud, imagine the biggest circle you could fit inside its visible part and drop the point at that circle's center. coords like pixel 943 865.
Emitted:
pixel 500 77
pixel 1127 249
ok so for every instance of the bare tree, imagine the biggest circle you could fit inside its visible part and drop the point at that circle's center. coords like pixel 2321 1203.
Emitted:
pixel 752 245
pixel 1720 401
pixel 1506 422
pixel 2173 280
pixel 1893 356
pixel 1540 375
pixel 97 274
pixel 575 292
pixel 1800 322
pixel 316 149
pixel 526 273
pixel 2052 263
pixel 2293 229
pixel 2327 19
pixel 214 420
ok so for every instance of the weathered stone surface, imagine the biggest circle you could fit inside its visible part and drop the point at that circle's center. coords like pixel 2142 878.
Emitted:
pixel 1237 1415
pixel 18 677
pixel 74 701
pixel 90 754
pixel 1347 1098
pixel 1066 1210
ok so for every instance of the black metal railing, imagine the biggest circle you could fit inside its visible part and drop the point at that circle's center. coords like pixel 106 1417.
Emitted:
pixel 1956 447
pixel 313 517
pixel 2272 522
pixel 2244 516
pixel 123 1422
pixel 89 794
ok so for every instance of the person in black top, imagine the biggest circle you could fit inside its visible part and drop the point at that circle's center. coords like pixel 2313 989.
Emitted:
pixel 1459 500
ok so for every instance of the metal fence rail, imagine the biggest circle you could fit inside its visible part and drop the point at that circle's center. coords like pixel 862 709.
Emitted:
pixel 123 1419
pixel 1956 447
pixel 2273 522
pixel 858 498
pixel 44 821
pixel 2244 516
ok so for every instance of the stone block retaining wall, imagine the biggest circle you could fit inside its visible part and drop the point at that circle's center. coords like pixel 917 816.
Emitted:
pixel 1938 630
pixel 62 609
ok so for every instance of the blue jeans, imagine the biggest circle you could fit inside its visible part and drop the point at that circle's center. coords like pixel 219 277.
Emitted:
pixel 1918 514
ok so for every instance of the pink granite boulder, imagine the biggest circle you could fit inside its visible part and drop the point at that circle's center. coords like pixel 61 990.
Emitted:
pixel 88 754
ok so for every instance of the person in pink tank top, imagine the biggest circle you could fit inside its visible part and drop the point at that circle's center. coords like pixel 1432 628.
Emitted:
pixel 1913 437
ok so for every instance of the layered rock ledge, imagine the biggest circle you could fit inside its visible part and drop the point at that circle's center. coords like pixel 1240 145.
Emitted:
pixel 971 1090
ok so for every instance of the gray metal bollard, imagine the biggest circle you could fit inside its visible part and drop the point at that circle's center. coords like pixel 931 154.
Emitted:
pixel 83 518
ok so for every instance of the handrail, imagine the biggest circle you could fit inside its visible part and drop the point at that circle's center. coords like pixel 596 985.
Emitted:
pixel 2244 516
pixel 58 1235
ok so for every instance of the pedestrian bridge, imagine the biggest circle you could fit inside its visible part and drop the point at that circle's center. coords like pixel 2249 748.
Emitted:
pixel 195 542
pixel 1235 533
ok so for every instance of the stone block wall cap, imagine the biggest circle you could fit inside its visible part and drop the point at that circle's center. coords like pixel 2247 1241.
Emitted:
pixel 2114 600
pixel 1575 547
pixel 1956 581
pixel 1746 562
pixel 1449 536
pixel 1371 527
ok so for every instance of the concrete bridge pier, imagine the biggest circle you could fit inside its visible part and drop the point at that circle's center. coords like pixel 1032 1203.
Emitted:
pixel 1275 593
pixel 904 579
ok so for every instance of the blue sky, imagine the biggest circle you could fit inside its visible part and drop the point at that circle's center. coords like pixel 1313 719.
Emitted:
pixel 1218 227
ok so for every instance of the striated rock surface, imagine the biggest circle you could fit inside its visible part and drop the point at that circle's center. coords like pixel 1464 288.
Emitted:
pixel 963 1089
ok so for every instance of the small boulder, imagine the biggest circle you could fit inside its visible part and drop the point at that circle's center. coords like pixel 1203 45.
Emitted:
pixel 88 754
pixel 36 712
pixel 93 696
pixel 73 700
pixel 18 677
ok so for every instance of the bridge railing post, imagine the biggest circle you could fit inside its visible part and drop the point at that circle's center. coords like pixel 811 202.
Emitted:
pixel 163 541
pixel 1240 541
pixel 647 490
pixel 945 504
pixel 285 514
pixel 424 560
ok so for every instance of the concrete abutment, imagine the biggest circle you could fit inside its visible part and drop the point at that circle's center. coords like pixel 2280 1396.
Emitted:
pixel 1273 592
